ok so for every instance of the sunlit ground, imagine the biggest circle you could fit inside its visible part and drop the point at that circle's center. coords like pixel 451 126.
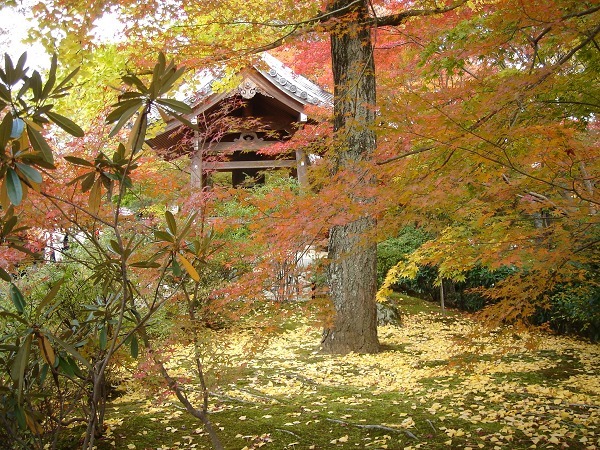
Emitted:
pixel 441 382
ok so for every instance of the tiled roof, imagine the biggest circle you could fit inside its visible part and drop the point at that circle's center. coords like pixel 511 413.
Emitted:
pixel 302 89
pixel 278 74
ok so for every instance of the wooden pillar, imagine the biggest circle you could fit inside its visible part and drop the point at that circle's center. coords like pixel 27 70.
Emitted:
pixel 302 161
pixel 302 168
pixel 196 166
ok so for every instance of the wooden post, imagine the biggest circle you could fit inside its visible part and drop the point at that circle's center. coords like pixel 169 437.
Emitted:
pixel 302 168
pixel 196 163
pixel 302 161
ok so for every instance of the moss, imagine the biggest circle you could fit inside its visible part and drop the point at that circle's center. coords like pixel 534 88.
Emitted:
pixel 292 402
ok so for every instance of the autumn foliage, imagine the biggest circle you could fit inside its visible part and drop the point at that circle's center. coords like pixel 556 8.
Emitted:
pixel 483 136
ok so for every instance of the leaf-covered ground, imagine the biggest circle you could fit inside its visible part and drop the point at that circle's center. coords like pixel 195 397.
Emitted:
pixel 441 382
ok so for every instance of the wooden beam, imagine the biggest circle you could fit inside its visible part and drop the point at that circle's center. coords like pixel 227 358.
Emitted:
pixel 234 165
pixel 230 147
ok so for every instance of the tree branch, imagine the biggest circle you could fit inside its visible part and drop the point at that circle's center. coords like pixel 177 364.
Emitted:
pixel 329 19
pixel 397 19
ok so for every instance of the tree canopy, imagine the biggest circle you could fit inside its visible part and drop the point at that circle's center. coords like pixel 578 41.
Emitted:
pixel 486 116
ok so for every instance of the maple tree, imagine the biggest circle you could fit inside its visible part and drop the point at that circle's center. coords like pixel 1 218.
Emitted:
pixel 504 130
pixel 485 139
pixel 478 108
pixel 352 271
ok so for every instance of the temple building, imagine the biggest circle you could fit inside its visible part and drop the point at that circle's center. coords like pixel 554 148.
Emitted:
pixel 240 129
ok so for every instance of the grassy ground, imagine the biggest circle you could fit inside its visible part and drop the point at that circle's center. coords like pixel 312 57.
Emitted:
pixel 441 382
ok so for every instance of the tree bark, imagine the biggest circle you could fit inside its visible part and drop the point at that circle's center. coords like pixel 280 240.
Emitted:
pixel 353 284
pixel 352 273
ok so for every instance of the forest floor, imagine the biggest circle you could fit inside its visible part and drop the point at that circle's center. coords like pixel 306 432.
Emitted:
pixel 441 381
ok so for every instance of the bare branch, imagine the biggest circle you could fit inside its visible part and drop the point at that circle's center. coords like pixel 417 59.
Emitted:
pixel 404 155
pixel 583 13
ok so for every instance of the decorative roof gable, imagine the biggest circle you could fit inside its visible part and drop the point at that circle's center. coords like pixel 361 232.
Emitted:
pixel 270 76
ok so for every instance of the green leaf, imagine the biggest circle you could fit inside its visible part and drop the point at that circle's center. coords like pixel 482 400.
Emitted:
pixel 49 297
pixel 145 265
pixel 4 92
pixel 170 79
pixel 20 67
pixel 5 130
pixel 66 367
pixel 129 96
pixel 137 135
pixel 79 178
pixel 66 124
pixel 23 249
pixel 13 187
pixel 188 224
pixel 36 85
pixel 171 223
pixel 132 80
pixel 102 339
pixel 9 225
pixel 51 76
pixel 123 120
pixel 116 247
pixel 5 275
pixel 175 105
pixel 70 349
pixel 119 155
pixel 88 181
pixel 163 236
pixel 20 415
pixel 37 159
pixel 43 374
pixel 62 85
pixel 78 161
pixel 13 316
pixel 95 196
pixel 24 88
pixel 17 298
pixel 185 121
pixel 30 173
pixel 122 107
pixel 134 346
pixel 69 366
pixel 39 143
pixel 176 268
pixel 9 71
pixel 17 370
pixel 162 61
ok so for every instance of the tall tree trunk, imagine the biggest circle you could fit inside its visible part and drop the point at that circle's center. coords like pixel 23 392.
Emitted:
pixel 352 272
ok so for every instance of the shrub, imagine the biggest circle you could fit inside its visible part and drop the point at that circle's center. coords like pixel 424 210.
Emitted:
pixel 461 295
pixel 393 250
pixel 457 294
pixel 574 309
